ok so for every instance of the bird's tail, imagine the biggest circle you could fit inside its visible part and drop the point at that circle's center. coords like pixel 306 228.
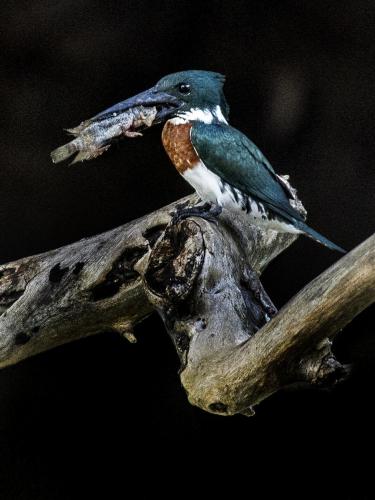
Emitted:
pixel 317 236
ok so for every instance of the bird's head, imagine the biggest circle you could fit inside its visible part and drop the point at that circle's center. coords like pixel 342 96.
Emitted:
pixel 194 95
pixel 199 94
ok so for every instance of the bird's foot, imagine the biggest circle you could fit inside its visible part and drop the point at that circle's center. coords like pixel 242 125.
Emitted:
pixel 207 211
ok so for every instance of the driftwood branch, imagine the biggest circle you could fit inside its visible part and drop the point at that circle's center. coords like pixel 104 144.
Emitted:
pixel 203 279
pixel 75 291
pixel 283 351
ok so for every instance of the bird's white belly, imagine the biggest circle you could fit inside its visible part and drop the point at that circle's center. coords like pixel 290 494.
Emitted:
pixel 211 188
pixel 206 183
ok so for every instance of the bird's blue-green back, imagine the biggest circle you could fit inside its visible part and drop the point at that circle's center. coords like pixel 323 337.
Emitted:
pixel 238 161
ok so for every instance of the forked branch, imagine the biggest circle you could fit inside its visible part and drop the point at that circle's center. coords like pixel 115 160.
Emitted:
pixel 204 281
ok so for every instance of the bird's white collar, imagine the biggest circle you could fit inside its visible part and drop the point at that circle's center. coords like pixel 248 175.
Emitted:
pixel 201 115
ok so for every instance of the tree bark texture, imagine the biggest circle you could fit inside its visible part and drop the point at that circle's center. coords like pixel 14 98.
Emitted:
pixel 203 279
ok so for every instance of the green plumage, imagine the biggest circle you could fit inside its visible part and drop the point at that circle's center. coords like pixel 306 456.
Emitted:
pixel 236 160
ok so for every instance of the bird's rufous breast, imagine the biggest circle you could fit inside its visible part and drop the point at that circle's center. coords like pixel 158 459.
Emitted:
pixel 177 143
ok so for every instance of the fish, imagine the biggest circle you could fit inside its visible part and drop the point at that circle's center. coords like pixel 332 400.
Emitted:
pixel 93 137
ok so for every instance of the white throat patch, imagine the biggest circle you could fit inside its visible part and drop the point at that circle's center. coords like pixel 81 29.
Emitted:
pixel 201 115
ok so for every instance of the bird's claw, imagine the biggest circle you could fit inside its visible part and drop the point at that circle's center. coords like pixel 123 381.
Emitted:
pixel 207 211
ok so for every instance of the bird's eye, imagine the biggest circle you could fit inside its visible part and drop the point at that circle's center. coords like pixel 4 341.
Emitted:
pixel 184 88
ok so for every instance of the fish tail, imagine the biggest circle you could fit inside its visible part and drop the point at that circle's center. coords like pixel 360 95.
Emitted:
pixel 82 156
pixel 64 152
pixel 89 154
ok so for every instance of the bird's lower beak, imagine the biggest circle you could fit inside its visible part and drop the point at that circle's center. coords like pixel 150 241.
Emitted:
pixel 165 104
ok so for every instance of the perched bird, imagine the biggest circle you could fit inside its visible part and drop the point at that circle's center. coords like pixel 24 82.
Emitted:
pixel 224 166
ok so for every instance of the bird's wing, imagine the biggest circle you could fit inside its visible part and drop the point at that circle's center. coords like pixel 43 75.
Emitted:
pixel 235 159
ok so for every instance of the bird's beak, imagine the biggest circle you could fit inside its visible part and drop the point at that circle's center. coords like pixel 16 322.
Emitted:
pixel 165 104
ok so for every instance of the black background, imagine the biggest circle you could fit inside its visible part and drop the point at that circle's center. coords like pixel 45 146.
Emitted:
pixel 301 83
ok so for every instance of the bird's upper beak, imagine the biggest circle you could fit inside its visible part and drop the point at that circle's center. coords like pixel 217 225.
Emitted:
pixel 165 104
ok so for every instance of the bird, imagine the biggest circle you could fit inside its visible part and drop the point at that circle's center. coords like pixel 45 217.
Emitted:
pixel 225 168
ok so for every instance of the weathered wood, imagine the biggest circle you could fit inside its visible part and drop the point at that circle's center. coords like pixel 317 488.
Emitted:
pixel 203 279
pixel 78 290
pixel 89 286
pixel 227 364
pixel 282 352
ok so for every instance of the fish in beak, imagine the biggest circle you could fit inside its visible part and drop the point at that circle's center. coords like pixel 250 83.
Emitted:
pixel 93 137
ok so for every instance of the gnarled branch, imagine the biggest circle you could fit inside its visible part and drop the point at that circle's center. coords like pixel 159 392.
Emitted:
pixel 204 281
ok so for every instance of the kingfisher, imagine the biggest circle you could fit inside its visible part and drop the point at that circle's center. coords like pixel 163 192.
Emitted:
pixel 225 168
